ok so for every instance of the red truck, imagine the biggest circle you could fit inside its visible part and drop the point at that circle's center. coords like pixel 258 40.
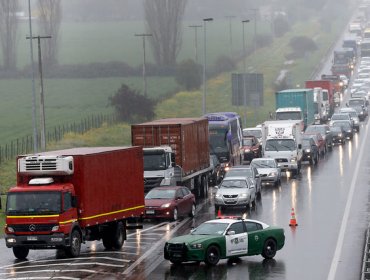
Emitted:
pixel 176 152
pixel 328 89
pixel 64 198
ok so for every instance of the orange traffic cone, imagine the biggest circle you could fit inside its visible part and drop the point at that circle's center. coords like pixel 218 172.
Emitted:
pixel 293 221
pixel 219 212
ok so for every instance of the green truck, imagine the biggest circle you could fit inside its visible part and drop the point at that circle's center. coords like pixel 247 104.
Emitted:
pixel 296 104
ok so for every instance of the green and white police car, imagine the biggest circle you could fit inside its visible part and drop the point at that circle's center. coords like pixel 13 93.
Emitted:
pixel 225 238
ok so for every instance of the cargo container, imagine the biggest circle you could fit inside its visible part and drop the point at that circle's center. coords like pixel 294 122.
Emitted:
pixel 176 152
pixel 303 99
pixel 64 198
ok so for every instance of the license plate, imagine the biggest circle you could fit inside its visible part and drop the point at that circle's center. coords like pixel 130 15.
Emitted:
pixel 177 255
pixel 32 238
pixel 149 211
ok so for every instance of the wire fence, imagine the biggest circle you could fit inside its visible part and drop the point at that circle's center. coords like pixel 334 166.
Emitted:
pixel 24 145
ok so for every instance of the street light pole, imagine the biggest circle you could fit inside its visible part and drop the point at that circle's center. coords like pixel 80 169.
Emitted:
pixel 35 144
pixel 244 72
pixel 195 27
pixel 42 104
pixel 230 34
pixel 204 107
pixel 144 62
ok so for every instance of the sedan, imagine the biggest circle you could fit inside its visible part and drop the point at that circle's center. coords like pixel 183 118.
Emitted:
pixel 268 169
pixel 169 203
pixel 346 126
pixel 225 238
pixel 325 132
pixel 310 150
pixel 235 192
pixel 339 135
pixel 248 171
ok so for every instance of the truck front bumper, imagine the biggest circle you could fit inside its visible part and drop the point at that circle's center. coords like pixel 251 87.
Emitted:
pixel 41 241
pixel 287 166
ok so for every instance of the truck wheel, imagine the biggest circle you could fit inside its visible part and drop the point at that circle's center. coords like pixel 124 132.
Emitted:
pixel 20 252
pixel 74 249
pixel 118 236
pixel 107 241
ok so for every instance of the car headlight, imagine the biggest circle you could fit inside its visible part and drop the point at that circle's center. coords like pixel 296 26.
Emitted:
pixel 361 113
pixel 294 159
pixel 247 150
pixel 196 246
pixel 272 174
pixel 217 195
pixel 340 134
pixel 243 195
pixel 55 228
pixel 349 130
pixel 166 205
pixel 10 229
pixel 307 151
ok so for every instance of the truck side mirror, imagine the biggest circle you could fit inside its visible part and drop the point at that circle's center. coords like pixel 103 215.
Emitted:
pixel 173 157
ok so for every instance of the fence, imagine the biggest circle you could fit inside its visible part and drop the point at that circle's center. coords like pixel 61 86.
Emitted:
pixel 25 145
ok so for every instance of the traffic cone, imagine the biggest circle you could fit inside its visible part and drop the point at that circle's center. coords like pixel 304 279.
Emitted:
pixel 219 212
pixel 293 221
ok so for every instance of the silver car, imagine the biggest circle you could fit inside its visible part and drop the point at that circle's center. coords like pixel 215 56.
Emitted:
pixel 268 169
pixel 235 192
pixel 248 171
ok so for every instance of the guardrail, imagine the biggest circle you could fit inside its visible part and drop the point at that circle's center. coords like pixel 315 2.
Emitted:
pixel 365 271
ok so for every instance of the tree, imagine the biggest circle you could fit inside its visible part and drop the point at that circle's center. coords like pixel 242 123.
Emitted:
pixel 131 106
pixel 49 19
pixel 8 32
pixel 163 20
pixel 189 74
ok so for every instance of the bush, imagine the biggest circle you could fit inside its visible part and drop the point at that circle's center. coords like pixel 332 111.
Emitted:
pixel 131 106
pixel 301 45
pixel 222 64
pixel 264 40
pixel 189 74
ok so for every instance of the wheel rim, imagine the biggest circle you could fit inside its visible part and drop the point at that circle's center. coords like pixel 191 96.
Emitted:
pixel 75 244
pixel 213 256
pixel 270 249
pixel 193 210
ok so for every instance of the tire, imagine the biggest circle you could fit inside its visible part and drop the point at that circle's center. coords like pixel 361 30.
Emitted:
pixel 192 212
pixel 269 249
pixel 212 255
pixel 118 236
pixel 21 253
pixel 175 214
pixel 74 249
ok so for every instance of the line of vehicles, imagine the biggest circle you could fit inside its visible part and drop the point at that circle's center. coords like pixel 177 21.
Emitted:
pixel 67 197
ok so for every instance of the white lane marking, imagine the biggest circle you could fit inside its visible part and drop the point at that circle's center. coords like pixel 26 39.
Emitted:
pixel 338 247
pixel 159 243
pixel 147 229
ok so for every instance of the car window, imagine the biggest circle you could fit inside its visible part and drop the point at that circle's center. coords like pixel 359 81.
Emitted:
pixel 179 194
pixel 185 191
pixel 237 227
pixel 252 226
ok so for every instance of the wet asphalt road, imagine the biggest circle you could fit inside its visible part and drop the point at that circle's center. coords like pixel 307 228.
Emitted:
pixel 325 197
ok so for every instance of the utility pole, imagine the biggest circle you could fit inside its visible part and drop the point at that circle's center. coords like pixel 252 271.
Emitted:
pixel 195 27
pixel 35 142
pixel 231 34
pixel 204 107
pixel 144 62
pixel 42 104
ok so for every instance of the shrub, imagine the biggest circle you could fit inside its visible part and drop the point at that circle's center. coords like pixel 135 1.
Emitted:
pixel 302 45
pixel 264 40
pixel 189 74
pixel 281 26
pixel 131 106
pixel 222 64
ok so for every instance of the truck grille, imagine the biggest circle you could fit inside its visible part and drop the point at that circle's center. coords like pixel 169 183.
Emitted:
pixel 33 227
pixel 281 160
pixel 150 183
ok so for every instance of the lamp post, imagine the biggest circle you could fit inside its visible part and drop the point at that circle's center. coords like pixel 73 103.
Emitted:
pixel 204 107
pixel 42 103
pixel 195 27
pixel 244 72
pixel 35 145
pixel 144 62
pixel 230 34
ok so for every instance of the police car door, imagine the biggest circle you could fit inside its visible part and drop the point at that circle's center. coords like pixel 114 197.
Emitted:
pixel 236 240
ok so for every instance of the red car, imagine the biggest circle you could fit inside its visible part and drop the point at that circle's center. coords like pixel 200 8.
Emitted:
pixel 251 148
pixel 169 203
pixel 319 140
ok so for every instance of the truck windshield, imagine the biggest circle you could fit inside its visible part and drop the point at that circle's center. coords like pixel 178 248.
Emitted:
pixel 154 161
pixel 280 145
pixel 33 203
pixel 288 116
pixel 218 140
